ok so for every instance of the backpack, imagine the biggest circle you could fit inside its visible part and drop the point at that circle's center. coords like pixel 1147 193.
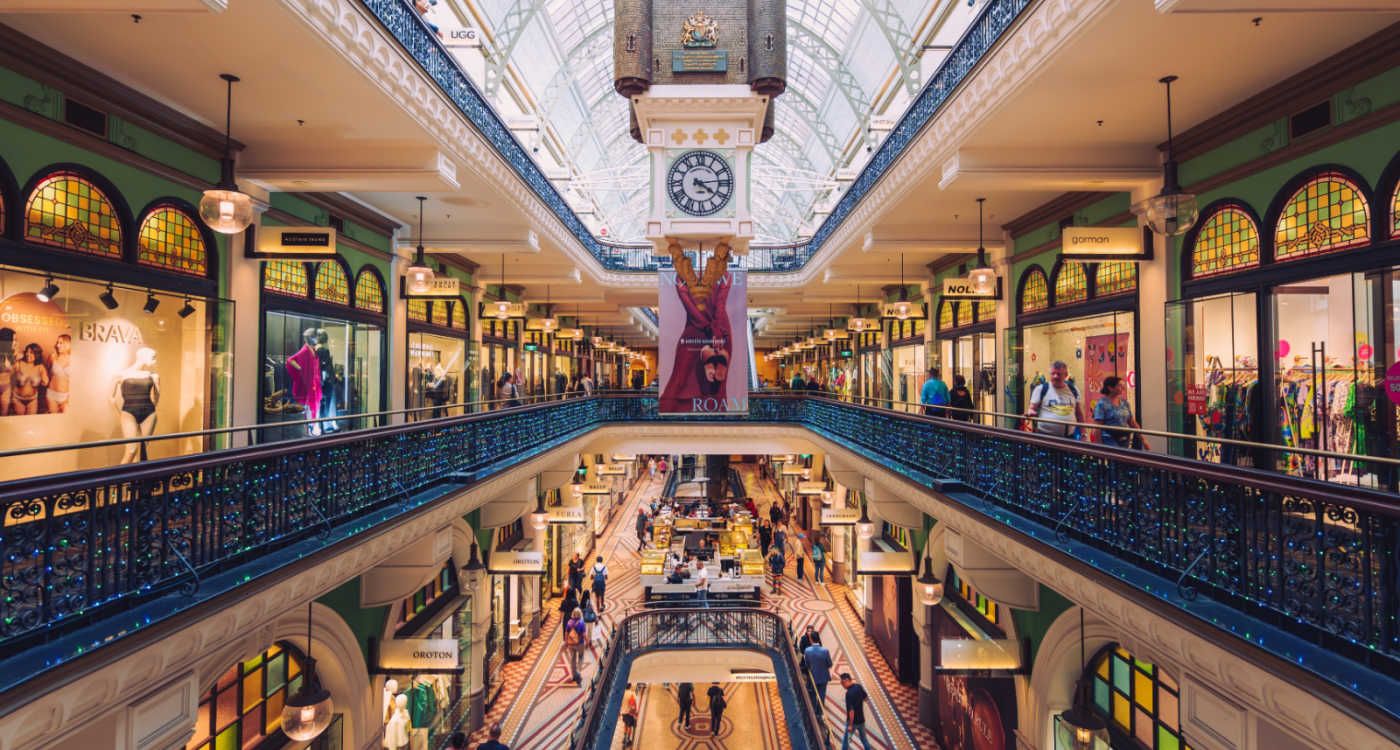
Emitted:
pixel 571 636
pixel 600 576
pixel 590 614
pixel 1045 388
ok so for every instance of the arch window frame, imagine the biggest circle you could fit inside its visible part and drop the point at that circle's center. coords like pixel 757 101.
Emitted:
pixel 208 257
pixel 230 691
pixel 117 210
pixel 345 289
pixel 1287 200
pixel 306 277
pixel 1080 268
pixel 1098 285
pixel 1115 679
pixel 370 274
pixel 947 316
pixel 1247 219
pixel 1033 274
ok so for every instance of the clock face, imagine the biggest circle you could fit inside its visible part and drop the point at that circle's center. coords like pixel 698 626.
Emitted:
pixel 700 182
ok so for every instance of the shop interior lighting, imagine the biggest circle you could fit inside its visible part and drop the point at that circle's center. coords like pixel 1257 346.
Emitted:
pixel 982 278
pixel 151 302
pixel 49 291
pixel 902 308
pixel 1086 729
pixel 420 276
pixel 186 310
pixel 1173 211
pixel 932 587
pixel 108 298
pixel 308 713
pixel 225 208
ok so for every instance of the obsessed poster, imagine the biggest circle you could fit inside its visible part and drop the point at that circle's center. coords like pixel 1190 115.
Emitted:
pixel 704 366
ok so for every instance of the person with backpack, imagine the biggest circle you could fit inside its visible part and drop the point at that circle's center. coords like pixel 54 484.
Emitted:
pixel 1056 404
pixel 600 583
pixel 575 641
pixel 590 615
pixel 717 705
pixel 934 394
pixel 776 563
pixel 818 562
pixel 631 705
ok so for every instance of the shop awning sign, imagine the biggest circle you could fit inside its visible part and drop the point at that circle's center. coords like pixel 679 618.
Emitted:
pixel 297 243
pixel 438 286
pixel 567 513
pixel 612 470
pixel 959 654
pixel 1106 243
pixel 596 488
pixel 418 654
pixel 516 562
pixel 960 288
pixel 811 488
pixel 899 563
pixel 840 516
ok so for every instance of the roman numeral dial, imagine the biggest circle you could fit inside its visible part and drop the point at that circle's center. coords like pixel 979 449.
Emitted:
pixel 700 183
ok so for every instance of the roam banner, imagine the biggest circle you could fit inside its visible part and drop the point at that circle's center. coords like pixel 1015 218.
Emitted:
pixel 703 351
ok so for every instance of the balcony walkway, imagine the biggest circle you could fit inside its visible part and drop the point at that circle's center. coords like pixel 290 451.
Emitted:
pixel 539 704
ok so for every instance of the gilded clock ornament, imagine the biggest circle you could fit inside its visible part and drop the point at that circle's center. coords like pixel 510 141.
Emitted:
pixel 700 183
pixel 699 31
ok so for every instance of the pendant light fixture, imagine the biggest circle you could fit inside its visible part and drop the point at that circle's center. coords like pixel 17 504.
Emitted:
pixel 982 278
pixel 540 518
pixel 225 208
pixel 307 714
pixel 502 306
pixel 932 587
pixel 1171 212
pixel 1087 729
pixel 902 308
pixel 549 323
pixel 865 527
pixel 419 275
pixel 857 323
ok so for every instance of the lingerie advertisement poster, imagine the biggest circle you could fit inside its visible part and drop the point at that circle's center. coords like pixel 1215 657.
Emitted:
pixel 36 356
pixel 973 712
pixel 704 365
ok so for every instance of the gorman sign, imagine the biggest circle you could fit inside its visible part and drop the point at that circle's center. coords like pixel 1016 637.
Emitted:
pixel 1098 243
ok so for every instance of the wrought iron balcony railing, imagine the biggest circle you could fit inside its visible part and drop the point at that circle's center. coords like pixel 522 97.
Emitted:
pixel 405 24
pixel 1299 568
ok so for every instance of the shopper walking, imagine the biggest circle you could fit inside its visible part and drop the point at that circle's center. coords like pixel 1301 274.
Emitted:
pixel 600 583
pixel 631 705
pixel 818 661
pixel 702 581
pixel 717 705
pixel 590 615
pixel 685 698
pixel 651 467
pixel 776 563
pixel 495 742
pixel 569 604
pixel 575 641
pixel 765 537
pixel 641 529
pixel 934 395
pixel 576 572
pixel 1056 404
pixel 1113 410
pixel 961 398
pixel 818 561
pixel 855 712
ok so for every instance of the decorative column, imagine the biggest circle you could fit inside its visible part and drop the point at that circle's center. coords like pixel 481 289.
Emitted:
pixel 397 311
pixel 244 283
pixel 1154 289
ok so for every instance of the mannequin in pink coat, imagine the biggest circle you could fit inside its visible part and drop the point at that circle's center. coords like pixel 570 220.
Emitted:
pixel 304 372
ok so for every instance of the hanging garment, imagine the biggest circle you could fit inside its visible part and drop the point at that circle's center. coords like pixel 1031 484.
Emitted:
pixel 396 731
pixel 304 373
pixel 422 705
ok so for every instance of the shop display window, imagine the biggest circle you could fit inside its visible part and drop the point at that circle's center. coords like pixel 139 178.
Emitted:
pixel 170 239
pixel 1071 283
pixel 435 379
pixel 243 709
pixel 65 363
pixel 287 277
pixel 347 355
pixel 1227 241
pixel 1140 701
pixel 1035 291
pixel 1327 214
pixel 1093 347
pixel 1213 374
pixel 68 211
pixel 332 285
pixel 369 293
pixel 1115 277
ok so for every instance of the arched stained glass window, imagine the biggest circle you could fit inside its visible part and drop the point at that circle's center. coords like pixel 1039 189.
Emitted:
pixel 1137 698
pixel 245 705
pixel 286 277
pixel 1227 241
pixel 369 295
pixel 440 313
pixel 1115 277
pixel 1326 215
pixel 961 312
pixel 945 315
pixel 1035 292
pixel 65 210
pixel 418 310
pixel 170 239
pixel 1394 213
pixel 986 310
pixel 459 314
pixel 1071 283
pixel 331 283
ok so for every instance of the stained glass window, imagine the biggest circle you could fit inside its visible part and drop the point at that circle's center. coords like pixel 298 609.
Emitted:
pixel 1227 241
pixel 331 283
pixel 286 277
pixel 369 295
pixel 1138 698
pixel 245 705
pixel 986 310
pixel 67 211
pixel 960 313
pixel 1115 277
pixel 1326 215
pixel 945 315
pixel 1394 213
pixel 1035 292
pixel 418 310
pixel 459 314
pixel 984 606
pixel 1071 283
pixel 170 239
pixel 440 313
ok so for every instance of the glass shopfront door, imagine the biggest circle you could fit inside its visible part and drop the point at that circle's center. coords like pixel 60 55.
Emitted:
pixel 973 356
pixel 349 356
pixel 1093 348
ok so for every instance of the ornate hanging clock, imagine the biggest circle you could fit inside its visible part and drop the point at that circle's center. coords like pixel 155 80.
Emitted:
pixel 700 183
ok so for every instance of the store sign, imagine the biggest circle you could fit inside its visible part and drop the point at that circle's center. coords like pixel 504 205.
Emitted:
pixel 531 347
pixel 902 310
pixel 885 563
pixel 752 676
pixel 596 488
pixel 568 334
pixel 463 39
pixel 612 470
pixel 521 562
pixel 571 513
pixel 438 286
pixel 840 516
pixel 300 243
pixel 418 654
pixel 502 310
pixel 1392 383
pixel 1099 243
pixel 1196 398
pixel 811 488
pixel 965 653
pixel 965 289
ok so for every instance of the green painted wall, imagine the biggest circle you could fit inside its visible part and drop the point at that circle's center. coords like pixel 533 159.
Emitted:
pixel 313 215
pixel 1034 624
pixel 365 623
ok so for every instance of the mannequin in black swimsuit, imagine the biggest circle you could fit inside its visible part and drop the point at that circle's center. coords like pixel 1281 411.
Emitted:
pixel 136 394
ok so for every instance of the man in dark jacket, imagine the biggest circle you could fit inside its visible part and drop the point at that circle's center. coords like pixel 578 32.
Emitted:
pixel 717 704
pixel 685 696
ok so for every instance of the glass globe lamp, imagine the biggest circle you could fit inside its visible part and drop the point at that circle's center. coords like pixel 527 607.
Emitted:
pixel 225 209
pixel 307 714
pixel 983 280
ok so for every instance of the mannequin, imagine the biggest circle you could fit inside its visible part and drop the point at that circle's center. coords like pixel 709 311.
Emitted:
pixel 391 687
pixel 135 395
pixel 329 392
pixel 396 731
pixel 304 372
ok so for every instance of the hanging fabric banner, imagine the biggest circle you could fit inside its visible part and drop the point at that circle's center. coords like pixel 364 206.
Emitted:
pixel 704 343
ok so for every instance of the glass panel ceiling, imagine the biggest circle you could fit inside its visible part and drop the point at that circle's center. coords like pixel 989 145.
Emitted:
pixel 840 54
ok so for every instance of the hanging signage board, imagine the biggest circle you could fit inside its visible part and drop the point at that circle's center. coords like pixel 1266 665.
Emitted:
pixel 521 562
pixel 861 324
pixel 964 289
pixel 891 310
pixel 541 324
pixel 703 361
pixel 568 334
pixel 419 654
pixel 811 488
pixel 612 470
pixel 295 243
pixel 965 653
pixel 438 286
pixel 568 513
pixel 1105 243
pixel 840 516
pixel 596 488
pixel 899 563
pixel 794 470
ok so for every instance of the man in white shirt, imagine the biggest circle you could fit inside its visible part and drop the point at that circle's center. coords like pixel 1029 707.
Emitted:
pixel 702 580
pixel 1056 403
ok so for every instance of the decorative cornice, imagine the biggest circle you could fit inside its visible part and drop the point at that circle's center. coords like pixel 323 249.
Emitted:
pixel 1053 210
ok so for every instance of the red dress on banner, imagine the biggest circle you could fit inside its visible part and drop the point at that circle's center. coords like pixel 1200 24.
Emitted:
pixel 304 372
pixel 705 335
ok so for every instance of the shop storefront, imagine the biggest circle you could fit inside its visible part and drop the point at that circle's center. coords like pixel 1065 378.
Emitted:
pixel 137 345
pixel 868 357
pixel 890 605
pixel 498 349
pixel 570 532
pixel 511 565
pixel 566 359
pixel 534 363
pixel 438 342
pixel 967 347
pixel 974 691
pixel 1082 314
pixel 910 361
pixel 322 345
pixel 1287 328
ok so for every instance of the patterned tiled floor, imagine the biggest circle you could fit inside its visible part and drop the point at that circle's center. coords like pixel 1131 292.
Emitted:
pixel 539 704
